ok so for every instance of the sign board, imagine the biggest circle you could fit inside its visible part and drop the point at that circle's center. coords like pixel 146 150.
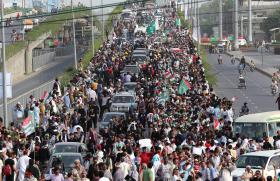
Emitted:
pixel 8 85
pixel 145 143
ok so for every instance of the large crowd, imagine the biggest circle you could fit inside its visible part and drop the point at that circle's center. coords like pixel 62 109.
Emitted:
pixel 190 129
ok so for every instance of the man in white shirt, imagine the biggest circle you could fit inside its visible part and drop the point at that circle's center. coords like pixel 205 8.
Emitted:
pixel 127 77
pixel 125 167
pixel 22 164
pixel 91 94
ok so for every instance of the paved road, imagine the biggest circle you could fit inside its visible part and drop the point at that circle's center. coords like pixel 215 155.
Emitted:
pixel 46 74
pixel 257 94
pixel 8 32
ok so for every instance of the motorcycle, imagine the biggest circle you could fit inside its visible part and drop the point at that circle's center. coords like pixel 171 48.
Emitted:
pixel 232 61
pixel 252 68
pixel 220 61
pixel 274 89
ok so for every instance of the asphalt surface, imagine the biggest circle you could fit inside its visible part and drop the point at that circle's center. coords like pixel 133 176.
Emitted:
pixel 8 32
pixel 47 73
pixel 258 93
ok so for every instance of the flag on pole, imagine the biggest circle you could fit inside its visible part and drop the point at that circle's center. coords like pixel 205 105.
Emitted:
pixel 45 95
pixel 167 75
pixel 184 86
pixel 28 126
pixel 216 124
pixel 178 22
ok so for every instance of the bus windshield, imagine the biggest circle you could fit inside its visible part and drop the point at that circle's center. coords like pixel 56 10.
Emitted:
pixel 251 130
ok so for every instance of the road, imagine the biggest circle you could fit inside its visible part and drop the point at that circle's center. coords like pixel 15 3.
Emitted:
pixel 257 94
pixel 50 72
pixel 8 32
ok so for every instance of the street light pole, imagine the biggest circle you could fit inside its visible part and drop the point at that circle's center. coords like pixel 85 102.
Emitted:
pixel 221 19
pixel 74 36
pixel 236 45
pixel 102 19
pixel 250 38
pixel 197 25
pixel 4 66
pixel 92 30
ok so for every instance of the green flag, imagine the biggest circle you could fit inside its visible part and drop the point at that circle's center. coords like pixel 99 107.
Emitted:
pixel 183 87
pixel 178 22
pixel 151 28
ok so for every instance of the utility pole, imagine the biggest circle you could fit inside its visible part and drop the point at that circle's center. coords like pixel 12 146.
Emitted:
pixel 74 36
pixel 4 66
pixel 236 45
pixel 102 20
pixel 197 25
pixel 92 30
pixel 221 19
pixel 250 38
pixel 241 26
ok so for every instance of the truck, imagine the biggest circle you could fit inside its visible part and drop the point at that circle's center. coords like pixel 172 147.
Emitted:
pixel 28 25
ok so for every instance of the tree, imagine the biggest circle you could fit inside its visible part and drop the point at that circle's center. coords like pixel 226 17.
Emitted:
pixel 272 21
pixel 209 16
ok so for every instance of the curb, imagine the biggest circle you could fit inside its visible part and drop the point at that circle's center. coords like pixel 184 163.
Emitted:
pixel 256 68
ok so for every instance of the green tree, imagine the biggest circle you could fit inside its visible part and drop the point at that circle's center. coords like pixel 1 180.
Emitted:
pixel 272 21
pixel 209 16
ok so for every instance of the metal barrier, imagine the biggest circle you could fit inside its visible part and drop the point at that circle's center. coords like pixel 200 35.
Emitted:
pixel 23 99
pixel 42 57
pixel 64 51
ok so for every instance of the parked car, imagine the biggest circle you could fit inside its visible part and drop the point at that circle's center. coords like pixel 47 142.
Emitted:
pixel 70 147
pixel 63 160
pixel 123 102
pixel 258 161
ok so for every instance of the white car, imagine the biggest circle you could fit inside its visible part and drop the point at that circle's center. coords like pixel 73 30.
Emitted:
pixel 242 42
pixel 257 161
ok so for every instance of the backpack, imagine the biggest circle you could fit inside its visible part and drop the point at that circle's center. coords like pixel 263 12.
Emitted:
pixel 7 170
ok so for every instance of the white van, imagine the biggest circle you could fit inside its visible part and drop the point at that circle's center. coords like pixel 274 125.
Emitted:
pixel 258 160
pixel 258 125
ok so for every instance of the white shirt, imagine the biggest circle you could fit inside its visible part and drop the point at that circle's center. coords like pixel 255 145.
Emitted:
pixel 23 162
pixel 125 168
pixel 104 179
pixel 91 94
pixel 277 144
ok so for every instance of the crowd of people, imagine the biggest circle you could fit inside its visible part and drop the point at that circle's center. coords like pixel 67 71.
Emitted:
pixel 189 126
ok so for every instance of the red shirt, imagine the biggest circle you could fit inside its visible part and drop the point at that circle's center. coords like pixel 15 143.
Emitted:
pixel 145 157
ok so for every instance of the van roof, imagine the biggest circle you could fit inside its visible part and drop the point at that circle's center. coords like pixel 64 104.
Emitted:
pixel 260 117
pixel 267 153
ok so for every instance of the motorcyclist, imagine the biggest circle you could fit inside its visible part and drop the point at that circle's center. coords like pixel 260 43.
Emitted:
pixel 243 62
pixel 252 64
pixel 274 77
pixel 232 59
pixel 220 60
pixel 244 110
pixel 274 86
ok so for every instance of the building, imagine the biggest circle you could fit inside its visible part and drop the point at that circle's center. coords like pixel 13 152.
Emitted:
pixel 260 11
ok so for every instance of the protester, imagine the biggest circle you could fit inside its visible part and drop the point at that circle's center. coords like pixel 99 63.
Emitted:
pixel 180 130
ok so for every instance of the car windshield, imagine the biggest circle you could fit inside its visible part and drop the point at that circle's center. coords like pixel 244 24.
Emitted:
pixel 67 161
pixel 131 69
pixel 65 148
pixel 256 162
pixel 251 130
pixel 130 86
pixel 108 117
pixel 123 99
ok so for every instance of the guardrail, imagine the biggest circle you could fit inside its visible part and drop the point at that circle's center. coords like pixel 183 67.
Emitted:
pixel 23 99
